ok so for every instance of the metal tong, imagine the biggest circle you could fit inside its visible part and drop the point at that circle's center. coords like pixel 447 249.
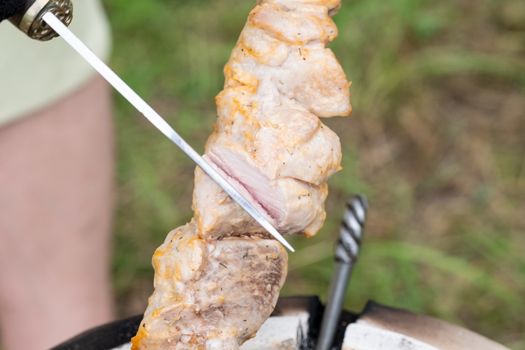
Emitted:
pixel 347 249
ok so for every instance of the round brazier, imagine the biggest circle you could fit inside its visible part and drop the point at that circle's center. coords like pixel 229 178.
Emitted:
pixel 295 325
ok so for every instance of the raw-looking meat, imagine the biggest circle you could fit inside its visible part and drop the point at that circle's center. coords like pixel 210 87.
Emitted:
pixel 217 279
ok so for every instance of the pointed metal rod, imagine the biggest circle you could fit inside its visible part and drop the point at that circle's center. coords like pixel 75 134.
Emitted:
pixel 346 252
pixel 149 113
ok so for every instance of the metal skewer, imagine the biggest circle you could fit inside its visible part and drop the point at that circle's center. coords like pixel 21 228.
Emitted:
pixel 149 113
pixel 346 252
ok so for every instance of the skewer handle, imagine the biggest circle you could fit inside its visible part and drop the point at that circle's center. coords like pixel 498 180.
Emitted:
pixel 346 252
pixel 27 15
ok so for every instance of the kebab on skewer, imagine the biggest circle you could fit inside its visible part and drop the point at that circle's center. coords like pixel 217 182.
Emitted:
pixel 217 278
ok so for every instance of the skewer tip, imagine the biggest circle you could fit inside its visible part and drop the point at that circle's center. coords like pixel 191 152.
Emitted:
pixel 282 240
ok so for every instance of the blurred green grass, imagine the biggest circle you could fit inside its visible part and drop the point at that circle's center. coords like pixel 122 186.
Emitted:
pixel 436 142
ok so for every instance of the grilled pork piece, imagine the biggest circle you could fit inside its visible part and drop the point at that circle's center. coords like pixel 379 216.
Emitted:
pixel 210 295
pixel 217 278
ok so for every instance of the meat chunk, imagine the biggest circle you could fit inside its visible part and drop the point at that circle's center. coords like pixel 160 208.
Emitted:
pixel 204 296
pixel 293 206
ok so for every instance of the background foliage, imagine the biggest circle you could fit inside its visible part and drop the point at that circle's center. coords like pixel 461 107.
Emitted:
pixel 436 141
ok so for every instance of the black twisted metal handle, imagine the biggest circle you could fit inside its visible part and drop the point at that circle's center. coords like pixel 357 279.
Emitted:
pixel 346 251
pixel 351 231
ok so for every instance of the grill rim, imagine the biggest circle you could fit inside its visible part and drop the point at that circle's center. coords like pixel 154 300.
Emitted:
pixel 117 333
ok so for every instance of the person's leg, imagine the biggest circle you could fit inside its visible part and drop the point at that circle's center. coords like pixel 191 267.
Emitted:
pixel 56 170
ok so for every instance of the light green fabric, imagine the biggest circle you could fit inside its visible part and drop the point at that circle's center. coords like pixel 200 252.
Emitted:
pixel 35 74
